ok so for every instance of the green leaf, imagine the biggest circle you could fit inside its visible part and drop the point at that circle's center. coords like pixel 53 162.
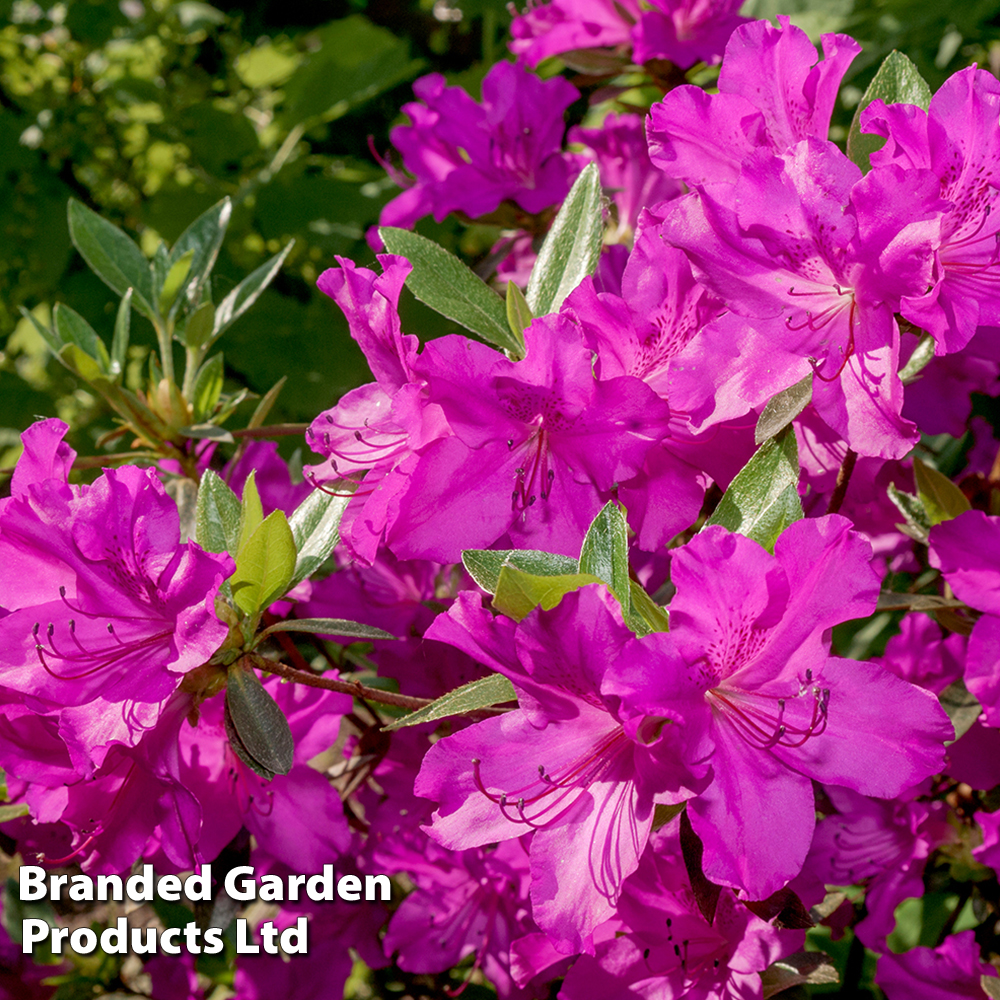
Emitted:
pixel 13 810
pixel 518 593
pixel 941 498
pixel 888 601
pixel 315 531
pixel 898 81
pixel 651 617
pixel 47 333
pixel 112 256
pixel 251 510
pixel 605 551
pixel 264 565
pixel 173 280
pixel 199 326
pixel 797 970
pixel 217 516
pixel 921 357
pixel 207 388
pixel 211 431
pixel 763 499
pixel 782 409
pixel 120 338
pixel 962 707
pixel 246 293
pixel 329 626
pixel 201 240
pixel 518 314
pixel 263 739
pixel 79 361
pixel 440 280
pixel 484 565
pixel 484 693
pixel 990 986
pixel 917 522
pixel 72 328
pixel 571 248
pixel 267 401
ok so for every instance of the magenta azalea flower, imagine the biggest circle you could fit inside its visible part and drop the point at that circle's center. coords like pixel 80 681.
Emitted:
pixel 958 140
pixel 107 610
pixel 884 843
pixel 547 29
pixel 812 260
pixel 562 766
pixel 471 902
pixel 745 683
pixel 967 551
pixel 773 93
pixel 469 157
pixel 537 445
pixel 950 972
pixel 662 945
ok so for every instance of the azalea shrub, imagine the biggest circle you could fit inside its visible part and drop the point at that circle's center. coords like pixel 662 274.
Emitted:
pixel 643 636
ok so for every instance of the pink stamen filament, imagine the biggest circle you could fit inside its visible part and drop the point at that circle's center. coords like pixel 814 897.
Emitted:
pixel 763 730
pixel 106 655
pixel 539 471
pixel 556 790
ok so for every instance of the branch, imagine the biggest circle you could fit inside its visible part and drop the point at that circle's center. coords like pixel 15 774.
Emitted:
pixel 355 688
pixel 270 431
pixel 843 480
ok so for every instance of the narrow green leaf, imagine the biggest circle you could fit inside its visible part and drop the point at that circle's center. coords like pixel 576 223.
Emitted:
pixel 267 401
pixel 519 593
pixel 888 601
pixel 199 326
pixel 440 280
pixel 217 515
pixel 651 616
pixel 484 693
pixel 262 731
pixel 942 499
pixel 251 510
pixel 898 81
pixel 571 248
pixel 211 431
pixel 917 522
pixel 120 339
pixel 174 279
pixel 264 565
pixel 763 499
pixel 13 810
pixel 918 361
pixel 47 333
pixel 782 409
pixel 961 705
pixel 112 256
pixel 201 240
pixel 605 551
pixel 484 565
pixel 315 531
pixel 518 314
pixel 72 328
pixel 207 388
pixel 329 626
pixel 246 293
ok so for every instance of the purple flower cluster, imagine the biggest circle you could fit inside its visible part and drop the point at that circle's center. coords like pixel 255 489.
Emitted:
pixel 694 772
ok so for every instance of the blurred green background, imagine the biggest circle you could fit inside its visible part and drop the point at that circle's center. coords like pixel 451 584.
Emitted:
pixel 149 111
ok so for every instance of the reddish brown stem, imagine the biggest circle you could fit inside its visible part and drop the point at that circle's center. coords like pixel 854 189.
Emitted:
pixel 345 687
pixel 843 480
pixel 270 431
